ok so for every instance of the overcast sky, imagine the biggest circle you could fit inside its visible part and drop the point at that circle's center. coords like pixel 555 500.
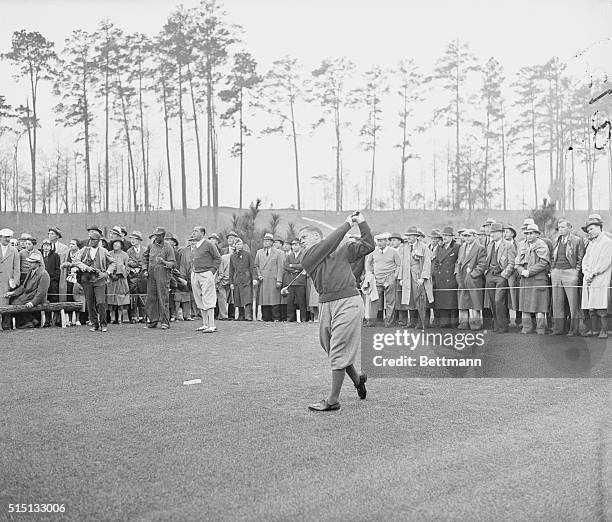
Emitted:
pixel 516 32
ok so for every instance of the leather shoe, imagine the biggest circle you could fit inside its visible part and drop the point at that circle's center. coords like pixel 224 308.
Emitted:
pixel 361 389
pixel 324 406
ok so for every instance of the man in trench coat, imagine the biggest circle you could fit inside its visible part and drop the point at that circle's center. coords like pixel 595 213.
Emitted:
pixel 470 270
pixel 597 268
pixel 269 263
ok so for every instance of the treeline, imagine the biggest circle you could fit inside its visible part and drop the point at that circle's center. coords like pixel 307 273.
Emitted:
pixel 197 74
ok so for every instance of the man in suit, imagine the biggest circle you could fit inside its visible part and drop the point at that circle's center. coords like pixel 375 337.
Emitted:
pixel 294 275
pixel 32 292
pixel 10 264
pixel 444 280
pixel 385 264
pixel 470 268
pixel 95 263
pixel 499 266
pixel 269 268
pixel 566 264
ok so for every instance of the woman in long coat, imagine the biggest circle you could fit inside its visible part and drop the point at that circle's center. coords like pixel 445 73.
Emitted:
pixel 241 275
pixel 118 289
pixel 533 263
pixel 470 269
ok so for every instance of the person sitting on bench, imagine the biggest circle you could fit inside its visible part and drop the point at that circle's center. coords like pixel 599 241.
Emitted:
pixel 32 292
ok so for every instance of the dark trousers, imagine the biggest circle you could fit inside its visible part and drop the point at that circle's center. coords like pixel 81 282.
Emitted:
pixel 498 298
pixel 245 312
pixel 296 299
pixel 158 297
pixel 270 312
pixel 95 297
pixel 447 318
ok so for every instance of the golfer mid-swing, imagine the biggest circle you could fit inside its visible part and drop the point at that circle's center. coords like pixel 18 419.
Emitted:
pixel 340 305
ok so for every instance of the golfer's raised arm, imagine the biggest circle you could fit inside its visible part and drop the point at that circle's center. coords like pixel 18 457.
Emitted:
pixel 316 253
pixel 362 247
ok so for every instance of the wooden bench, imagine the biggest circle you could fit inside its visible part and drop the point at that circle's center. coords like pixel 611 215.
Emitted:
pixel 62 308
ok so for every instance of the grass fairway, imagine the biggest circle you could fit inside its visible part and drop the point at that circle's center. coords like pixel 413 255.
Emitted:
pixel 104 424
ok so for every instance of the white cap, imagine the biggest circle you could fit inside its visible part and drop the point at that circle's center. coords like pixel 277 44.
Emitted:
pixel 6 232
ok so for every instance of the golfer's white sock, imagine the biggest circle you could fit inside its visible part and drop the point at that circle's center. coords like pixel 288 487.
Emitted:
pixel 211 317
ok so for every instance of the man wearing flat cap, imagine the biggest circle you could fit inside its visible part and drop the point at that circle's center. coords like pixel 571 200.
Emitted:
pixel 470 280
pixel 444 280
pixel 597 269
pixel 158 261
pixel 415 277
pixel 532 264
pixel 32 292
pixel 10 264
pixel 385 264
pixel 269 264
pixel 499 266
pixel 95 264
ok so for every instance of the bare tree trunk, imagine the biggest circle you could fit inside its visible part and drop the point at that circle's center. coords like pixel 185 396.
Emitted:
pixel 165 100
pixel 182 142
pixel 486 164
pixel 126 129
pixel 338 152
pixel 197 134
pixel 503 157
pixel 295 154
pixel 457 134
pixel 533 154
pixel 241 139
pixel 402 194
pixel 145 171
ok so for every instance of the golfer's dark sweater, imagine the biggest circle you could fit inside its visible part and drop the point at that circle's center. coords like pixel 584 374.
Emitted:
pixel 329 266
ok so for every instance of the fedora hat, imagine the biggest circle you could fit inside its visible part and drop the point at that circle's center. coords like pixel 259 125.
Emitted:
pixel 96 228
pixel 136 235
pixel 448 231
pixel 435 234
pixel 159 231
pixel 395 235
pixel 116 230
pixel 382 235
pixel 509 226
pixel 412 231
pixel 269 236
pixel 95 234
pixel 25 236
pixel 593 220
pixel 496 227
pixel 527 222
pixel 468 232
pixel 532 228
pixel 171 237
pixel 214 235
pixel 34 257
pixel 489 221
pixel 57 230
